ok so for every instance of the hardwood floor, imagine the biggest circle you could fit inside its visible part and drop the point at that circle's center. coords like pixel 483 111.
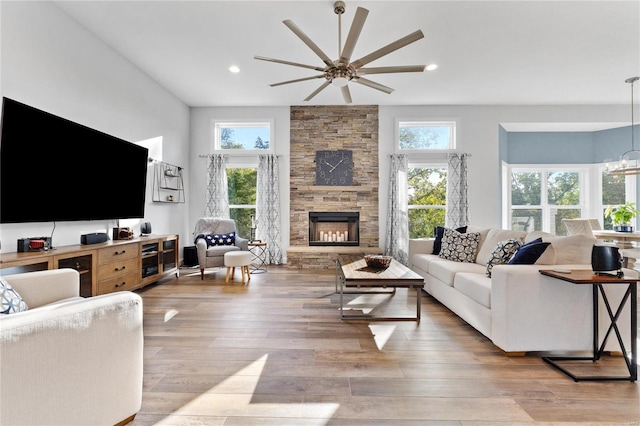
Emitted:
pixel 274 352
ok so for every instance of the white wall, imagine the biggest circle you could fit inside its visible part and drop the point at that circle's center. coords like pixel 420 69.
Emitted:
pixel 477 135
pixel 202 144
pixel 52 63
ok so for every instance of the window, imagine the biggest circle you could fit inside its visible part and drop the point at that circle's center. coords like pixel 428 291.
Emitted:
pixel 426 135
pixel 541 198
pixel 615 190
pixel 427 190
pixel 242 184
pixel 243 137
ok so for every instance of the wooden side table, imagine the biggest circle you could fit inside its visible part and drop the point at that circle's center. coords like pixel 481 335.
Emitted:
pixel 259 251
pixel 586 276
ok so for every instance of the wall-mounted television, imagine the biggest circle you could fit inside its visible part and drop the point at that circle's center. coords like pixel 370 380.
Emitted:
pixel 53 169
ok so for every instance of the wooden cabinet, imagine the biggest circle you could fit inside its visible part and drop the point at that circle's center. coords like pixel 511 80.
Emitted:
pixel 117 267
pixel 106 267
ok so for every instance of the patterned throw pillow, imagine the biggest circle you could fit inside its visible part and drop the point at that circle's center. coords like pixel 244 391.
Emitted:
pixel 459 247
pixel 221 239
pixel 439 233
pixel 503 252
pixel 10 300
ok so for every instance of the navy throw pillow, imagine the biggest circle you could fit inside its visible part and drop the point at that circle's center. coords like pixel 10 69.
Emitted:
pixel 529 253
pixel 439 233
pixel 219 239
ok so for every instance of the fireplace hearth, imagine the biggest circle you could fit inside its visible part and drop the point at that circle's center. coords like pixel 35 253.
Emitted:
pixel 334 229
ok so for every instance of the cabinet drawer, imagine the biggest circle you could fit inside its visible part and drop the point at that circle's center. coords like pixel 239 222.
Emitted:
pixel 124 282
pixel 117 253
pixel 117 269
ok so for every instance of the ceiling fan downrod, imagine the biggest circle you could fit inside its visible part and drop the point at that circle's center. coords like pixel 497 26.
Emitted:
pixel 338 8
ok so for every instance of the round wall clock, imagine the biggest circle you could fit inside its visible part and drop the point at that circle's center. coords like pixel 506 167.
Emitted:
pixel 334 168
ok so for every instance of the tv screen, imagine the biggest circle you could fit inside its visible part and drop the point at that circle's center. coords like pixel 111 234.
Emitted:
pixel 52 169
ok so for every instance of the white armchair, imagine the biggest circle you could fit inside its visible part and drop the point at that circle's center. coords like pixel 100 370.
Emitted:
pixel 210 256
pixel 68 360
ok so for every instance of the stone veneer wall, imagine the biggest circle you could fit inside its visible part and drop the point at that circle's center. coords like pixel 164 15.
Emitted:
pixel 317 128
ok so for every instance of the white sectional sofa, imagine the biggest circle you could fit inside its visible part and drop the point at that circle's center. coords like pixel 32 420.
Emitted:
pixel 68 360
pixel 518 308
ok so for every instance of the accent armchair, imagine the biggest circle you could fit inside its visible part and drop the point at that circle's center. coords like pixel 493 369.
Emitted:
pixel 213 238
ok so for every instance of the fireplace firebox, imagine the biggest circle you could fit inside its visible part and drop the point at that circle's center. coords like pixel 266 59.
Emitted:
pixel 334 229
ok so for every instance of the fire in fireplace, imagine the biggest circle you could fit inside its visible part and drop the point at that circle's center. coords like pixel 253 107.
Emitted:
pixel 334 229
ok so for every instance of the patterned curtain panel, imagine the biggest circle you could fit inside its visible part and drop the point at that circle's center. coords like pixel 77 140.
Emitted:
pixel 217 197
pixel 268 207
pixel 457 188
pixel 397 236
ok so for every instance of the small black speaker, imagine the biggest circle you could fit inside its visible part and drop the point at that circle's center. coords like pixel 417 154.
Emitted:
pixel 190 256
pixel 145 228
pixel 605 258
pixel 95 238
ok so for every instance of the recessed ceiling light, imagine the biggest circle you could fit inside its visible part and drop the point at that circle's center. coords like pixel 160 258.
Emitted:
pixel 432 67
pixel 234 69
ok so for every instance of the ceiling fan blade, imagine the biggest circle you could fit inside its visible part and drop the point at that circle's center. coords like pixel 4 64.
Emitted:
pixel 354 33
pixel 387 70
pixel 297 31
pixel 373 84
pixel 346 94
pixel 391 47
pixel 318 90
pixel 295 64
pixel 297 80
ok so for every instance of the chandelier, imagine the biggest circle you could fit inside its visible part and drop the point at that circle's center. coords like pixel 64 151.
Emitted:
pixel 629 163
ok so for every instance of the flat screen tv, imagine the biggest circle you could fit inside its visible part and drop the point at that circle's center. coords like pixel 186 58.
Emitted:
pixel 52 169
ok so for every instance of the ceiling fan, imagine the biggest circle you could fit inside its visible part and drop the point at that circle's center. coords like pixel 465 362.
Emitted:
pixel 342 71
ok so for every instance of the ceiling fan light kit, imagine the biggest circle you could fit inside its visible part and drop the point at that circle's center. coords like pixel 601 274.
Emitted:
pixel 342 71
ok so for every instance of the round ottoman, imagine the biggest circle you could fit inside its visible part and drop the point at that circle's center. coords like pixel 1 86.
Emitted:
pixel 237 258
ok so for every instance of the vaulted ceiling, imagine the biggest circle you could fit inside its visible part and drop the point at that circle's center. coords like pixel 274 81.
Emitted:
pixel 488 52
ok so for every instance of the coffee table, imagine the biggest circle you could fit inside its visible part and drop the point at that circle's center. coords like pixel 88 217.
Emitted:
pixel 352 272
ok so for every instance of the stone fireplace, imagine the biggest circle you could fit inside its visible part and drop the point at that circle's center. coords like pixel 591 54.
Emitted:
pixel 334 229
pixel 337 127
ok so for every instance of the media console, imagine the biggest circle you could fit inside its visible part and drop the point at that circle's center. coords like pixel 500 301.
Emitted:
pixel 105 267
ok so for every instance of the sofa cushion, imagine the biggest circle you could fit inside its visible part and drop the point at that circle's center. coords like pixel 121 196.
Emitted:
pixel 439 233
pixel 503 252
pixel 572 249
pixel 529 253
pixel 475 286
pixel 459 247
pixel 493 237
pixel 422 261
pixel 10 301
pixel 215 251
pixel 445 270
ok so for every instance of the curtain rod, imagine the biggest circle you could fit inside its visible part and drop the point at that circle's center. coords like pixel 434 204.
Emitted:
pixel 242 155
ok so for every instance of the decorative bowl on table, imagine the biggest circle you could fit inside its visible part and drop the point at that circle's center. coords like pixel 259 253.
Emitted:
pixel 377 261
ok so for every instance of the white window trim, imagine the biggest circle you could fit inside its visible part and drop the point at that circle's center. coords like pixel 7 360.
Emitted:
pixel 259 122
pixel 585 205
pixel 455 122
pixel 590 190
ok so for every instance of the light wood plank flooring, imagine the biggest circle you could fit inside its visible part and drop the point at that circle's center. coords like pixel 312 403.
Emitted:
pixel 274 352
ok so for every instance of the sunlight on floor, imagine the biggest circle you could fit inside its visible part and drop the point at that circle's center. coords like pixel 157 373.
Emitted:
pixel 217 401
pixel 170 314
pixel 381 333
pixel 366 302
